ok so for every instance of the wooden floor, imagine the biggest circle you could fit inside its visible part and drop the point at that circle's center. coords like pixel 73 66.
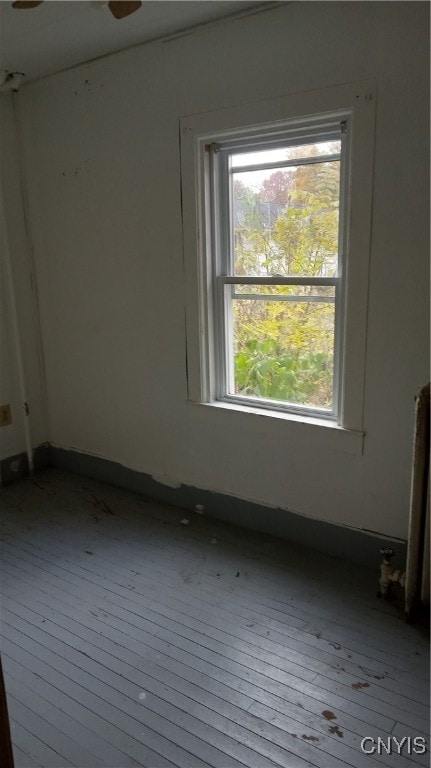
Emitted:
pixel 131 639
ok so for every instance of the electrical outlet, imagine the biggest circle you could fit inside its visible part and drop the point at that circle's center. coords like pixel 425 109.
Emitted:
pixel 5 415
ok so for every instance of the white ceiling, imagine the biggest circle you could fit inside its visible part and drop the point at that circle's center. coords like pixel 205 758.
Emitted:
pixel 62 33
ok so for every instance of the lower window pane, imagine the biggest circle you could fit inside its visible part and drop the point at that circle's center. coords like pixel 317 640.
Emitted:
pixel 284 351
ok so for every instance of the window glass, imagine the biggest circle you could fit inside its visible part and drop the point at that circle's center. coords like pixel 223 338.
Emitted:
pixel 286 221
pixel 278 221
pixel 283 343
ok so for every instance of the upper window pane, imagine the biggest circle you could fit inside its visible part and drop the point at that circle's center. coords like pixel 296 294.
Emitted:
pixel 285 221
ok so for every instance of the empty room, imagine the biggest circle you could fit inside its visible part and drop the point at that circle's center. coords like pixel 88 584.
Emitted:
pixel 214 390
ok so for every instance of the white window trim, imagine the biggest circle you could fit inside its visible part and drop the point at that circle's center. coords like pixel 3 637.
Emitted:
pixel 355 100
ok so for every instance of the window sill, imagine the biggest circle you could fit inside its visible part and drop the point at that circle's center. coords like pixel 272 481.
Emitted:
pixel 325 432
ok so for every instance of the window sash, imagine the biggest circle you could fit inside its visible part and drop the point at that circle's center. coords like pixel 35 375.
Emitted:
pixel 318 159
pixel 225 379
pixel 281 137
pixel 290 297
pixel 278 280
pixel 222 174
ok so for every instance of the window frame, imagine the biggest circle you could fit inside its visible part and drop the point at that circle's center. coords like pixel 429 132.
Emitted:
pixel 354 103
pixel 223 268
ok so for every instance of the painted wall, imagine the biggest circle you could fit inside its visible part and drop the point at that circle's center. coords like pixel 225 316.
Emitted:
pixel 103 171
pixel 14 240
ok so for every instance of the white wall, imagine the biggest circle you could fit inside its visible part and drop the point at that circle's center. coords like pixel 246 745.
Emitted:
pixel 103 171
pixel 14 240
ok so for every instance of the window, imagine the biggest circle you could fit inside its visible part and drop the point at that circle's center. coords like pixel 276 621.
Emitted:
pixel 276 307
pixel 277 258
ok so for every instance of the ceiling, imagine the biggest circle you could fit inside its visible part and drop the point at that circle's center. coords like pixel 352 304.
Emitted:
pixel 63 33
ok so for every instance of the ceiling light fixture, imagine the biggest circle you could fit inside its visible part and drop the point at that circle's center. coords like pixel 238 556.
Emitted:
pixel 119 8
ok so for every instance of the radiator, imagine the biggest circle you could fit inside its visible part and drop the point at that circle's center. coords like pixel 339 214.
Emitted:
pixel 417 578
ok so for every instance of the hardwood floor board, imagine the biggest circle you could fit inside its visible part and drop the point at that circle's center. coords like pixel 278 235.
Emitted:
pixel 192 656
pixel 346 743
pixel 122 680
pixel 215 646
pixel 281 660
pixel 122 733
pixel 405 710
pixel 55 730
pixel 252 651
pixel 31 690
pixel 225 725
pixel 150 709
pixel 217 666
pixel 343 725
pixel 272 736
pixel 193 677
pixel 246 652
pixel 126 713
pixel 192 536
pixel 35 749
pixel 253 723
pixel 264 620
pixel 22 760
pixel 203 633
pixel 168 710
pixel 296 713
pixel 420 712
pixel 335 644
pixel 282 607
pixel 415 673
